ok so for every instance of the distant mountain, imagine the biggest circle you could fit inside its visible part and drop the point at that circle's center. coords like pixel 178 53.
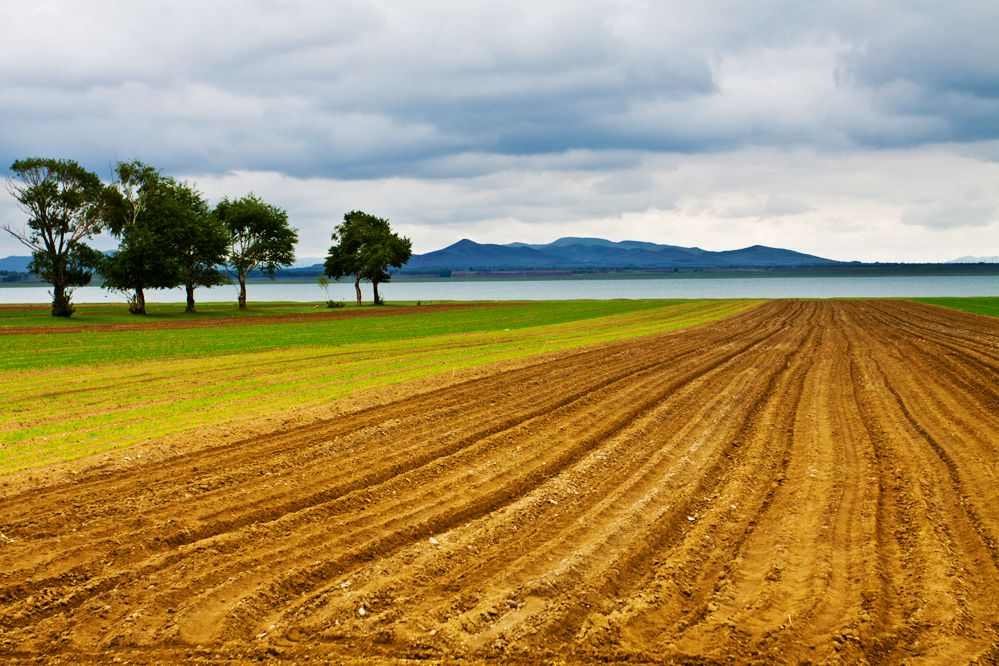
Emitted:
pixel 974 260
pixel 583 253
pixel 15 264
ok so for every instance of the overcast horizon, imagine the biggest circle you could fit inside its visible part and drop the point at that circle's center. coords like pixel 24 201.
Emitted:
pixel 848 130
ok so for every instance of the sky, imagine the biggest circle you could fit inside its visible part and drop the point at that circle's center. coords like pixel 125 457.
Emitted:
pixel 851 130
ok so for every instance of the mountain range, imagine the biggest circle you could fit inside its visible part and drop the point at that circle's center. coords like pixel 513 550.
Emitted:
pixel 567 253
pixel 575 253
pixel 595 253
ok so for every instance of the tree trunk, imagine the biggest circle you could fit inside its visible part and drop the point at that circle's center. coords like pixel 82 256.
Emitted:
pixel 357 289
pixel 242 291
pixel 140 301
pixel 378 299
pixel 190 298
pixel 60 301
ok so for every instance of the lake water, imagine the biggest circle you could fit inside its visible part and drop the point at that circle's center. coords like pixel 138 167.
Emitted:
pixel 506 290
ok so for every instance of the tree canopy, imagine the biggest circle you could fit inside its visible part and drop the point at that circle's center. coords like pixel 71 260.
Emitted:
pixel 365 247
pixel 63 202
pixel 259 238
pixel 142 213
pixel 167 235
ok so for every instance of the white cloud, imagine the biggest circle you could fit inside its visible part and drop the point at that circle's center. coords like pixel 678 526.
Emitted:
pixel 969 209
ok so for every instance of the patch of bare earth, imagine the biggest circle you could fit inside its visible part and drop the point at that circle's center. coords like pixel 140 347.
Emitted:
pixel 806 481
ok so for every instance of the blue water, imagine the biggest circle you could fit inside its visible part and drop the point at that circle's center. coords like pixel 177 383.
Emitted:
pixel 505 290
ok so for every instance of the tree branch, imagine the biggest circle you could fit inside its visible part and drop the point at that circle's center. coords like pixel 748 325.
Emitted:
pixel 23 238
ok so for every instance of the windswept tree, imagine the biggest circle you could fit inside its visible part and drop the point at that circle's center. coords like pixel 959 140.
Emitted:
pixel 63 203
pixel 364 247
pixel 144 215
pixel 259 238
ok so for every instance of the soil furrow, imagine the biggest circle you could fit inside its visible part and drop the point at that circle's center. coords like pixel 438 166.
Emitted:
pixel 645 447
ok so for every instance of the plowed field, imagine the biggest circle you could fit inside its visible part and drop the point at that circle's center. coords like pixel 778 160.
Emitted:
pixel 812 481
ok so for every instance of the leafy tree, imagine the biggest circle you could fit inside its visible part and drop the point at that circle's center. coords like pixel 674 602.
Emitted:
pixel 201 244
pixel 168 236
pixel 63 203
pixel 343 259
pixel 259 237
pixel 144 213
pixel 392 251
pixel 365 247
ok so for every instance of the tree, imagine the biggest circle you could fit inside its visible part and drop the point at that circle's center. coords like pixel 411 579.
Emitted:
pixel 391 250
pixel 365 247
pixel 343 259
pixel 202 242
pixel 144 212
pixel 63 203
pixel 259 237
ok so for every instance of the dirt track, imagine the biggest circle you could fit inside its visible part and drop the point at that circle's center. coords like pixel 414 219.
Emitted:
pixel 805 481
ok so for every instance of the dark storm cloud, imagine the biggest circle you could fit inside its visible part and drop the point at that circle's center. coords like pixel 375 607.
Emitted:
pixel 365 89
pixel 944 49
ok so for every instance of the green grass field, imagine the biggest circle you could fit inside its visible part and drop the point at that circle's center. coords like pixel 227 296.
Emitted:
pixel 68 395
pixel 117 313
pixel 986 305
pixel 410 323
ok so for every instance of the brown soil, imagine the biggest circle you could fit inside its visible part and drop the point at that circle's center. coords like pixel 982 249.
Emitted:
pixel 807 481
pixel 23 307
pixel 321 314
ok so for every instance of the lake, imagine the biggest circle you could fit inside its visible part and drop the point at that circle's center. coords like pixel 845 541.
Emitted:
pixel 506 290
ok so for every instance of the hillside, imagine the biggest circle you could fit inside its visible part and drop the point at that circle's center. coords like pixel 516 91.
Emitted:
pixel 15 264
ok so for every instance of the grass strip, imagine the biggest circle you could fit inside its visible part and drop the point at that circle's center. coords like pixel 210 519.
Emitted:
pixel 37 350
pixel 984 305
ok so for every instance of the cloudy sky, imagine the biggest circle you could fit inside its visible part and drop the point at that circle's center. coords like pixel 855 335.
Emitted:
pixel 853 130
